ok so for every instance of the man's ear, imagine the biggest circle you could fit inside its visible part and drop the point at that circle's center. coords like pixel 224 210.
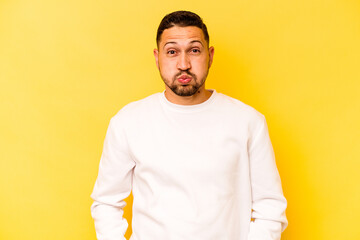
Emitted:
pixel 156 55
pixel 211 55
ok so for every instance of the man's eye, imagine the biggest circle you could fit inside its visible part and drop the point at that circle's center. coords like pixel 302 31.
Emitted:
pixel 195 50
pixel 171 52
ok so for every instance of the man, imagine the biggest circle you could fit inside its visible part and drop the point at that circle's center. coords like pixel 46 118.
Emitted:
pixel 199 163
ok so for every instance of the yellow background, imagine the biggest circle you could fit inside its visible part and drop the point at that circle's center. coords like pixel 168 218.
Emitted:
pixel 66 67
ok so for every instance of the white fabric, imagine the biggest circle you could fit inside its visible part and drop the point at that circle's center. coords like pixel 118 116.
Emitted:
pixel 197 172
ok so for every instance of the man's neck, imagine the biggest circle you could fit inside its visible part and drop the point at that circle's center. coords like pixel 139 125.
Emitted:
pixel 199 97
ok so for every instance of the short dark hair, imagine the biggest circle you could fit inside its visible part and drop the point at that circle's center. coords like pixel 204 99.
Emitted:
pixel 181 19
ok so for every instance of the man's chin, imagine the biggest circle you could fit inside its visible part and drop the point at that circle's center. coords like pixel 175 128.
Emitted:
pixel 184 91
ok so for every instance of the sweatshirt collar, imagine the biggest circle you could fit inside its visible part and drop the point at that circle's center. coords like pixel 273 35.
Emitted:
pixel 187 108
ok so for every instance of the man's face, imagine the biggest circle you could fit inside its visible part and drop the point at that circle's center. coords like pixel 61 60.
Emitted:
pixel 183 59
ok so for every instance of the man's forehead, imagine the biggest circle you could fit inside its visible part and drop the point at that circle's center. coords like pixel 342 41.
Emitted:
pixel 176 34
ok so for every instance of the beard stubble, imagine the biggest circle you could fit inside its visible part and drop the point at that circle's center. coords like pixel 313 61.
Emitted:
pixel 185 90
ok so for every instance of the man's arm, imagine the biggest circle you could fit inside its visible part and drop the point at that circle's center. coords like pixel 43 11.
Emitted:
pixel 113 185
pixel 268 201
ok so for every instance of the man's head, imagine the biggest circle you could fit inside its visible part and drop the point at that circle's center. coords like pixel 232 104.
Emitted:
pixel 183 56
pixel 181 19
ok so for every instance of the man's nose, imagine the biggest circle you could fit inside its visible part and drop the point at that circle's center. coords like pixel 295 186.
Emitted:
pixel 183 62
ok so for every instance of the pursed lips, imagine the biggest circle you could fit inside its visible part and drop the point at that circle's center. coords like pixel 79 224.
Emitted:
pixel 184 79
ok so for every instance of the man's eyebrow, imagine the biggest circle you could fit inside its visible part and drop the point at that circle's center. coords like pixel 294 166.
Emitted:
pixel 169 43
pixel 193 41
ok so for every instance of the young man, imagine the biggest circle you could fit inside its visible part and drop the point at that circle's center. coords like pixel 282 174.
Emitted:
pixel 200 164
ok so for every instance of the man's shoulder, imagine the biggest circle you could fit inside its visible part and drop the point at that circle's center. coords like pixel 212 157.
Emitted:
pixel 142 106
pixel 237 107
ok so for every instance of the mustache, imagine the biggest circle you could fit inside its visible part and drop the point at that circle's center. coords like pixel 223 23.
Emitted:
pixel 187 72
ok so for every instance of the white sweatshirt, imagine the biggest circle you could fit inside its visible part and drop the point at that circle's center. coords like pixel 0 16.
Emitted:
pixel 197 172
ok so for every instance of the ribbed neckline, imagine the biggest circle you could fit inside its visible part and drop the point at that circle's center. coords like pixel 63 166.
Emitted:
pixel 187 108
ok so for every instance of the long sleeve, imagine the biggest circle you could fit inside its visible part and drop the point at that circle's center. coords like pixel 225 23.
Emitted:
pixel 113 185
pixel 268 201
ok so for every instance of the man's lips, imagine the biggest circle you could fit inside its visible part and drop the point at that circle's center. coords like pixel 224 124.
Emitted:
pixel 184 79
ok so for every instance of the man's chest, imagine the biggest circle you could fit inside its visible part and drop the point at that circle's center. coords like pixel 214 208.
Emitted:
pixel 183 149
